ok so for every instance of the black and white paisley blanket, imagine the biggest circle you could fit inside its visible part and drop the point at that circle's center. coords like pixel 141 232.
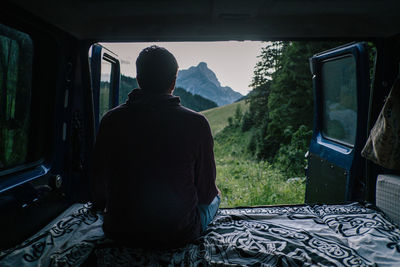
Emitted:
pixel 322 235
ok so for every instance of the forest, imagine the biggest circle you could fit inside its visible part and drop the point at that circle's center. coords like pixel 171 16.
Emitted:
pixel 280 113
pixel 193 101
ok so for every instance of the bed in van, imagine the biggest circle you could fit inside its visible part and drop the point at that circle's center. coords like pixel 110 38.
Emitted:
pixel 351 215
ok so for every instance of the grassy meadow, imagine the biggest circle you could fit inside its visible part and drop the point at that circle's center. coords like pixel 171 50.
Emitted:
pixel 242 179
pixel 218 117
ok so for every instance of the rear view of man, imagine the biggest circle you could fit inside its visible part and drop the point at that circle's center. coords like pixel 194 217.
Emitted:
pixel 154 169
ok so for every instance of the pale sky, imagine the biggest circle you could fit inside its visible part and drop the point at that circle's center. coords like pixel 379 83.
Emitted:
pixel 232 61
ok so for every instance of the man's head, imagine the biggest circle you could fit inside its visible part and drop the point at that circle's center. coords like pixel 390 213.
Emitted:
pixel 156 70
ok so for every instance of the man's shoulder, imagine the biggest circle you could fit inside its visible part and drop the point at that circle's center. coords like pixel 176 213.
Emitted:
pixel 185 115
pixel 193 115
pixel 114 113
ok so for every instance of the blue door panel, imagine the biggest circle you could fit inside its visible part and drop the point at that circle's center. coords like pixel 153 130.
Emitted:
pixel 336 164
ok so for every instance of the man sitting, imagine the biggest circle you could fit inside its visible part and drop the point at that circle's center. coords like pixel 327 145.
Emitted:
pixel 154 169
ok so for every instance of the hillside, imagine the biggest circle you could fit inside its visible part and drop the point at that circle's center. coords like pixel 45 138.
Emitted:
pixel 218 117
pixel 200 80
pixel 194 102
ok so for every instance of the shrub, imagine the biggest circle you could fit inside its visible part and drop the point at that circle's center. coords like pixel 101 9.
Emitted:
pixel 252 146
pixel 291 157
pixel 247 122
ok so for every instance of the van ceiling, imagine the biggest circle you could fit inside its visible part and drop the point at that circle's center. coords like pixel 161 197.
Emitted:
pixel 152 20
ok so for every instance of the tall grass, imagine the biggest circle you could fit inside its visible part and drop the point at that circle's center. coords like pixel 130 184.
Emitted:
pixel 245 181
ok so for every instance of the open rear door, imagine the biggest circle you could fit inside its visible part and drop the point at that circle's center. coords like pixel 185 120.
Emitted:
pixel 105 69
pixel 341 97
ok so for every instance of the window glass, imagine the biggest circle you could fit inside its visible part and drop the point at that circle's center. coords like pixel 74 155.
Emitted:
pixel 105 85
pixel 339 92
pixel 16 54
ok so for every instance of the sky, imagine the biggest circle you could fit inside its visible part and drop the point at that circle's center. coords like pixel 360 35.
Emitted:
pixel 232 61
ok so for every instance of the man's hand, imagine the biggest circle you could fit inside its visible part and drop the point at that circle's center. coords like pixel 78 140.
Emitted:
pixel 219 192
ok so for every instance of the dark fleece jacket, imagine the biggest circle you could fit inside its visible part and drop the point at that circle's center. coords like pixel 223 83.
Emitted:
pixel 153 164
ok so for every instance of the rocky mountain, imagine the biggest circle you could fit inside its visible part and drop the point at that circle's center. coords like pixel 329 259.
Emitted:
pixel 200 80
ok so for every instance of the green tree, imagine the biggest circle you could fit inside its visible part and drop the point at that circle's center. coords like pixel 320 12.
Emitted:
pixel 261 83
pixel 281 103
pixel 238 116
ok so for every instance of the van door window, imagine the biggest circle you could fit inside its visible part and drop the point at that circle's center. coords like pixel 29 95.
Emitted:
pixel 16 54
pixel 105 84
pixel 105 70
pixel 339 96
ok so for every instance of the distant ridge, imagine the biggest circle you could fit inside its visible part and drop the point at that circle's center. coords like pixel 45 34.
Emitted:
pixel 195 102
pixel 202 81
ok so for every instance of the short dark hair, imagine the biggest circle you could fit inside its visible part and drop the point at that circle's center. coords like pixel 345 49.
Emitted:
pixel 156 69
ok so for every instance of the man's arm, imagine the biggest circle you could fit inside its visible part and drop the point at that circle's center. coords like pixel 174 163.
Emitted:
pixel 205 172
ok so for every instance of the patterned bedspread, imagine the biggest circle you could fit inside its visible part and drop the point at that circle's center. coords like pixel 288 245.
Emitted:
pixel 323 235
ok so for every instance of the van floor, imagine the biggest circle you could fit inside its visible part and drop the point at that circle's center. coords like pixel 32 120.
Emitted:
pixel 339 235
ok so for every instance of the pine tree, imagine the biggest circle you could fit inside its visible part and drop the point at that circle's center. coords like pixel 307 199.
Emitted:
pixel 261 82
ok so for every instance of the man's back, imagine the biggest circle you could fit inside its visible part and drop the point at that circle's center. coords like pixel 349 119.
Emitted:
pixel 156 160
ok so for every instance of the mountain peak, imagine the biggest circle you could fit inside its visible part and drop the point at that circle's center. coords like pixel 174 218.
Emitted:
pixel 202 81
pixel 209 74
pixel 202 65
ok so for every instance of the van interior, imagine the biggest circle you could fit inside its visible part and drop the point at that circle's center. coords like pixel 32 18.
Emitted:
pixel 50 112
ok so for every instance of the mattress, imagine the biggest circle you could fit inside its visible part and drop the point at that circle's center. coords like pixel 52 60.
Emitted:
pixel 323 235
pixel 388 196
